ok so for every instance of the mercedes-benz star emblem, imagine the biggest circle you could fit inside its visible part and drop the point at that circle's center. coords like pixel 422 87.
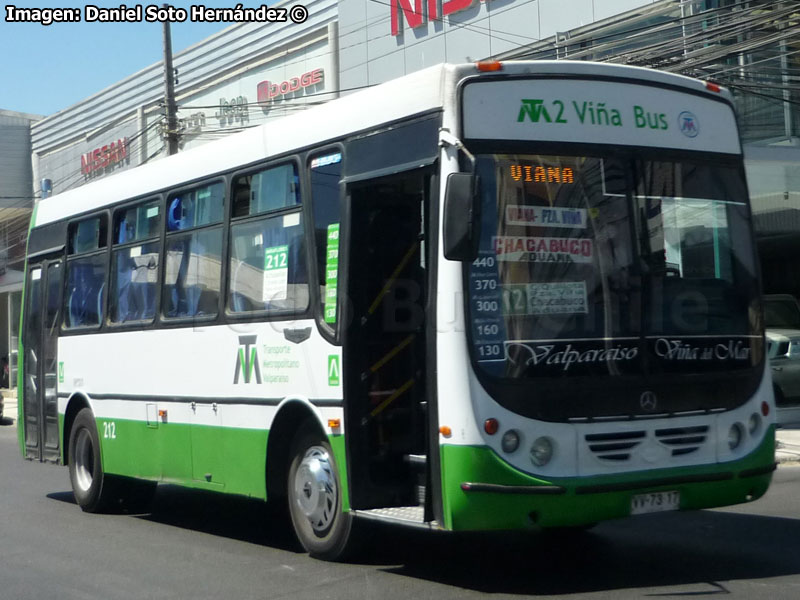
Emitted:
pixel 648 401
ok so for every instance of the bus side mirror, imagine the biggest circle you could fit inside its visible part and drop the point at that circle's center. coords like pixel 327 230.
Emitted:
pixel 462 215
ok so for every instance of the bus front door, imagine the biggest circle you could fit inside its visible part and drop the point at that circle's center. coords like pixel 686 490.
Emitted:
pixel 384 341
pixel 40 366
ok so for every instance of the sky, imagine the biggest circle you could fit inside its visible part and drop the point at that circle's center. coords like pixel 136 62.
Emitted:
pixel 44 69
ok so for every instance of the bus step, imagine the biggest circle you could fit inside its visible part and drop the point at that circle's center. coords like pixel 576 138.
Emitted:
pixel 405 515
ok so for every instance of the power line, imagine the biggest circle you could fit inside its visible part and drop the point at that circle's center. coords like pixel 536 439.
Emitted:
pixel 726 45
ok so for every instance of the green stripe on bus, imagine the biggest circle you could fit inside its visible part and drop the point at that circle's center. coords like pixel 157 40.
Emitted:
pixel 233 459
pixel 184 454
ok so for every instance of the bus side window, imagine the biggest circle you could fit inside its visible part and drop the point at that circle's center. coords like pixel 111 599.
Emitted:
pixel 195 208
pixel 268 265
pixel 265 191
pixel 326 172
pixel 193 260
pixel 85 287
pixel 134 271
pixel 267 250
pixel 86 273
pixel 192 274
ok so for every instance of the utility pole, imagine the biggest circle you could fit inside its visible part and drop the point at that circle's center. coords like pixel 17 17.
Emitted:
pixel 169 93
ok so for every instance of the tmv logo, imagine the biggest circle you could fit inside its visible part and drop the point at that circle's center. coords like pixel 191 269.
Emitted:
pixel 247 359
pixel 688 124
pixel 536 111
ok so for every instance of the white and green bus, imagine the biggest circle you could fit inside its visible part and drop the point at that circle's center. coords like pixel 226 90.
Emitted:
pixel 479 297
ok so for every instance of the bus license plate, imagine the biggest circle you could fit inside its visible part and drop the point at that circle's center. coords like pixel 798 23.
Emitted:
pixel 655 502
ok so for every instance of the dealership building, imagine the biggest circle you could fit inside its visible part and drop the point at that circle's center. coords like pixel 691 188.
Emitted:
pixel 250 73
pixel 16 204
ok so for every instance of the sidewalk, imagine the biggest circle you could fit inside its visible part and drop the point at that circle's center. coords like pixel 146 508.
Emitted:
pixel 787 448
pixel 9 410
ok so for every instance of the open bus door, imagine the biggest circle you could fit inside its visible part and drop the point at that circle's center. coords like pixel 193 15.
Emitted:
pixel 385 341
pixel 40 362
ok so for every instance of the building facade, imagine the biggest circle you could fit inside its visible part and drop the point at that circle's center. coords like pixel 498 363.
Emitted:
pixel 16 203
pixel 383 40
pixel 238 78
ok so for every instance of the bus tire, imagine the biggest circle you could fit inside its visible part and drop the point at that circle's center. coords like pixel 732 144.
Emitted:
pixel 90 486
pixel 314 497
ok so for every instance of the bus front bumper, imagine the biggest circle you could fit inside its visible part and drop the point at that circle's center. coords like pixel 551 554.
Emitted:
pixel 482 492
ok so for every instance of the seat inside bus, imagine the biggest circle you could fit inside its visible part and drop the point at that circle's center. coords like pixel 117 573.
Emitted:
pixel 85 294
pixel 135 276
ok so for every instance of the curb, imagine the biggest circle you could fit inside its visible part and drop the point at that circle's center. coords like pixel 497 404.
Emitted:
pixel 786 453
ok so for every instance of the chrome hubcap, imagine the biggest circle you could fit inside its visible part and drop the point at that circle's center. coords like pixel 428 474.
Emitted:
pixel 315 489
pixel 84 460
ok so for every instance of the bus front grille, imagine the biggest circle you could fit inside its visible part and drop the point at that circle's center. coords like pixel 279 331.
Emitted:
pixel 683 440
pixel 619 446
pixel 615 446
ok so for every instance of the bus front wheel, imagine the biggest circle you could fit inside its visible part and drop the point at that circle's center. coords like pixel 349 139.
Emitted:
pixel 89 484
pixel 315 498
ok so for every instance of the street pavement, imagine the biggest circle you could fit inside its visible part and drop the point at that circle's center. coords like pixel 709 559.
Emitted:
pixel 787 448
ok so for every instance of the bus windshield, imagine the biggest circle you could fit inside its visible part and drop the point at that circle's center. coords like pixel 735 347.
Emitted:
pixel 612 266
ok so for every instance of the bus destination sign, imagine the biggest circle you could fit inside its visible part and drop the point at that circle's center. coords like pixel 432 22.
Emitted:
pixel 595 112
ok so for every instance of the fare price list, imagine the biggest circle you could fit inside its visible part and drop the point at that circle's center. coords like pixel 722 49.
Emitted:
pixel 486 304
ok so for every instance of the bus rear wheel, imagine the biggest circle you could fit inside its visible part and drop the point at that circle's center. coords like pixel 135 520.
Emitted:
pixel 94 489
pixel 315 499
pixel 90 486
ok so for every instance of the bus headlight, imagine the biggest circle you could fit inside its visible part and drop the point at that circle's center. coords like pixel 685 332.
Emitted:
pixel 735 435
pixel 541 451
pixel 754 423
pixel 510 441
